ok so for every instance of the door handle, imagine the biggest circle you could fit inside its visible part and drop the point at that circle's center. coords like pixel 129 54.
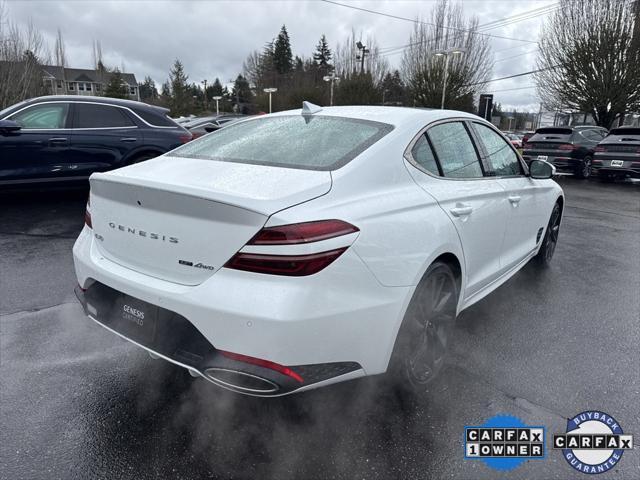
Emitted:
pixel 461 210
pixel 58 140
pixel 514 199
pixel 129 139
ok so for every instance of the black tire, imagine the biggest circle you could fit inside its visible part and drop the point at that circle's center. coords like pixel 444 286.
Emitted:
pixel 584 171
pixel 550 240
pixel 425 335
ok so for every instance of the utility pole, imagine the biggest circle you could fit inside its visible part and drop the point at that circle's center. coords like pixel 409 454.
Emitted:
pixel 363 53
pixel 204 82
pixel 446 54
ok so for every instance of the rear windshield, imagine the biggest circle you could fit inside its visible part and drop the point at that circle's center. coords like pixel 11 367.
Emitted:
pixel 554 130
pixel 310 143
pixel 628 132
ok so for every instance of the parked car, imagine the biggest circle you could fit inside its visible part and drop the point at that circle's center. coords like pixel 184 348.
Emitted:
pixel 526 136
pixel 515 140
pixel 569 149
pixel 618 155
pixel 66 138
pixel 303 248
pixel 203 125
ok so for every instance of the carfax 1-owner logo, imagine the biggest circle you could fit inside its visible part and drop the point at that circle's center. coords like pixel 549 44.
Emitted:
pixel 593 443
pixel 504 442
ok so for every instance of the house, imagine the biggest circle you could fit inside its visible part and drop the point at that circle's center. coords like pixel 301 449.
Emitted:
pixel 78 81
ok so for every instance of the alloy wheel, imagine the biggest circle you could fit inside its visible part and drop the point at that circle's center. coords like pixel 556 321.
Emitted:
pixel 430 326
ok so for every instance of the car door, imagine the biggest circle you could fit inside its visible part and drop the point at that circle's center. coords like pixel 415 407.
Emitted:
pixel 526 198
pixel 36 151
pixel 449 169
pixel 103 137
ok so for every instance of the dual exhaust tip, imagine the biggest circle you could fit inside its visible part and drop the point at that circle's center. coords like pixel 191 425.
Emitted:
pixel 241 382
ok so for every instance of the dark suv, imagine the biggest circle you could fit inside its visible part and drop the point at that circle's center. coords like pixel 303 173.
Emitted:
pixel 570 149
pixel 618 155
pixel 66 138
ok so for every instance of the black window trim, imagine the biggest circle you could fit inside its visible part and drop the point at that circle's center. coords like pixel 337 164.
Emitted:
pixel 72 102
pixel 485 153
pixel 464 120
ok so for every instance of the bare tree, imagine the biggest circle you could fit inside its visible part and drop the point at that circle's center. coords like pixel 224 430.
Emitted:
pixel 424 72
pixel 346 62
pixel 22 52
pixel 590 58
pixel 61 58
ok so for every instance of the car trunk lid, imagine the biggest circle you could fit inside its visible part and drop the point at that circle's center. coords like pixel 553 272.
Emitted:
pixel 181 219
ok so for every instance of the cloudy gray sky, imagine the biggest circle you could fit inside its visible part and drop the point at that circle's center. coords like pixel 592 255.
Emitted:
pixel 212 38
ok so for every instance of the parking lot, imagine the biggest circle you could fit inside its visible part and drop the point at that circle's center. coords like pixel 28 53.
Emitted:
pixel 78 402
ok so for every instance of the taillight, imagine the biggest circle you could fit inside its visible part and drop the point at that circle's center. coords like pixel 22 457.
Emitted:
pixel 302 232
pixel 263 363
pixel 87 214
pixel 600 148
pixel 292 234
pixel 186 137
pixel 287 265
pixel 566 146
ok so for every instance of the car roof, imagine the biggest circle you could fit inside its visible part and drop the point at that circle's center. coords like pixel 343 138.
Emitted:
pixel 396 116
pixel 90 98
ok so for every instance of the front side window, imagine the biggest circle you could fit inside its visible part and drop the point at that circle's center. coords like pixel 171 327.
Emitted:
pixel 44 116
pixel 503 160
pixel 423 155
pixel 100 116
pixel 455 150
pixel 294 141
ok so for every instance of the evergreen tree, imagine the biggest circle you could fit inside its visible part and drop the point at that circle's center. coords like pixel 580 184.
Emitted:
pixel 241 94
pixel 282 56
pixel 148 92
pixel 393 89
pixel 322 57
pixel 181 97
pixel 116 88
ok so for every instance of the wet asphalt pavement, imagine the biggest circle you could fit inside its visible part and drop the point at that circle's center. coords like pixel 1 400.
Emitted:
pixel 78 402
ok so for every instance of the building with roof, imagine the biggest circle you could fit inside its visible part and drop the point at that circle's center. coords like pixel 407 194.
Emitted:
pixel 79 81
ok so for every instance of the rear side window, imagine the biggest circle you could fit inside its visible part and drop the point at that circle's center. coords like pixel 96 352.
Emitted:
pixel 311 143
pixel 157 119
pixel 502 158
pixel 455 151
pixel 89 115
pixel 423 155
pixel 42 116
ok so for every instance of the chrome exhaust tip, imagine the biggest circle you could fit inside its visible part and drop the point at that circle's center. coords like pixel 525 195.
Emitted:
pixel 242 382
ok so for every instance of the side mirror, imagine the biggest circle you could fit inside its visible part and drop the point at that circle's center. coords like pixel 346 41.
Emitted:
pixel 9 126
pixel 541 170
pixel 211 128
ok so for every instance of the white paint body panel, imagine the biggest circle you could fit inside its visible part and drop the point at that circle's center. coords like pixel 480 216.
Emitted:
pixel 350 311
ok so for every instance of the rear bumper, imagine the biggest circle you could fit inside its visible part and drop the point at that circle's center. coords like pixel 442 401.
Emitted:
pixel 561 163
pixel 336 325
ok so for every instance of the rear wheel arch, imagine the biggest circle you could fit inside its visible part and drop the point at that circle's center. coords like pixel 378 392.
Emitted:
pixel 140 155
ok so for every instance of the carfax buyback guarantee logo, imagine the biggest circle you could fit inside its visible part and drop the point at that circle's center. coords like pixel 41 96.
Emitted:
pixel 504 442
pixel 594 442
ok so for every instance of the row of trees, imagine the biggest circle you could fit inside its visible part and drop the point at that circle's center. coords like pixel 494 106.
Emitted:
pixel 361 71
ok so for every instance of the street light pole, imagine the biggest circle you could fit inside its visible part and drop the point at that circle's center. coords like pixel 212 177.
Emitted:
pixel 217 99
pixel 330 78
pixel 270 91
pixel 446 54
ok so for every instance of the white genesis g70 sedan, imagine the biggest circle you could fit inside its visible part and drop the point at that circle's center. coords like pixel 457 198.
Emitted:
pixel 290 251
